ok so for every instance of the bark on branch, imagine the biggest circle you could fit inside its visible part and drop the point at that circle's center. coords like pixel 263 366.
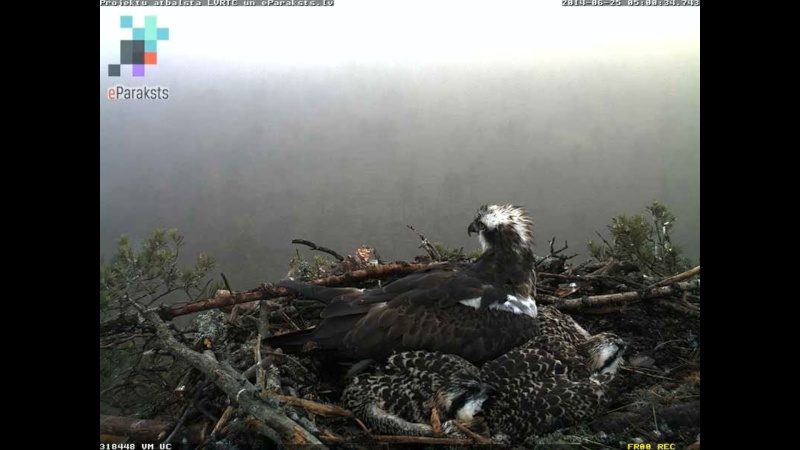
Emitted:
pixel 679 277
pixel 235 386
pixel 146 430
pixel 330 439
pixel 310 406
pixel 266 292
pixel 602 300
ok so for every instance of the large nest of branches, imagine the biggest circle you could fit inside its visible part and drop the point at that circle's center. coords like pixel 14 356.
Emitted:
pixel 212 384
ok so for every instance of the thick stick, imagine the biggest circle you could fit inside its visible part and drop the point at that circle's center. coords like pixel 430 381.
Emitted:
pixel 270 292
pixel 146 431
pixel 601 300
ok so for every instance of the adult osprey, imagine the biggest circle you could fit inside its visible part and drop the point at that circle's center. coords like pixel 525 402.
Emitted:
pixel 524 392
pixel 477 311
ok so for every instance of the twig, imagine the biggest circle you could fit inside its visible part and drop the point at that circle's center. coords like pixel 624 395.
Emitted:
pixel 310 406
pixel 226 416
pixel 608 244
pixel 629 369
pixel 421 440
pixel 225 280
pixel 555 253
pixel 179 424
pixel 288 319
pixel 318 248
pixel 426 245
pixel 436 423
pixel 473 435
pixel 362 426
pixel 655 420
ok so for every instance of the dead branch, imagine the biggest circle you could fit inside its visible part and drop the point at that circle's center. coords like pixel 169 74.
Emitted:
pixel 436 423
pixel 679 277
pixel 396 440
pixel 602 300
pixel 318 248
pixel 426 245
pixel 310 406
pixel 266 292
pixel 381 271
pixel 555 252
pixel 231 382
pixel 223 420
pixel 145 430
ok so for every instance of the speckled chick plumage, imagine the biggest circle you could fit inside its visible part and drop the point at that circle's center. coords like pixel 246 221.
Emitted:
pixel 401 396
pixel 560 378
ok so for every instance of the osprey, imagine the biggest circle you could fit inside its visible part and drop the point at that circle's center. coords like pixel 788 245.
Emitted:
pixel 538 393
pixel 401 397
pixel 477 311
pixel 523 392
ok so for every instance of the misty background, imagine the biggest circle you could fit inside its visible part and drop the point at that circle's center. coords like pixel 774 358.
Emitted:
pixel 341 125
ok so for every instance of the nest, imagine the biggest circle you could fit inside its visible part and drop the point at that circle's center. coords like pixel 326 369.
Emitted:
pixel 218 387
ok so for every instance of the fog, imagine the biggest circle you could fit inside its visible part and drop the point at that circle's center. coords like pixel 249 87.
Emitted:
pixel 278 128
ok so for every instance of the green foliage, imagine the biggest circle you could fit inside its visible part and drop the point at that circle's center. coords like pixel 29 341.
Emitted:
pixel 146 274
pixel 321 264
pixel 453 253
pixel 644 242
pixel 151 272
pixel 317 267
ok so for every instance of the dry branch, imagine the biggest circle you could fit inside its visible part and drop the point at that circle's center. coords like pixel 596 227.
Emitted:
pixel 426 245
pixel 266 292
pixel 677 278
pixel 231 382
pixel 145 430
pixel 318 248
pixel 602 300
pixel 397 440
pixel 310 406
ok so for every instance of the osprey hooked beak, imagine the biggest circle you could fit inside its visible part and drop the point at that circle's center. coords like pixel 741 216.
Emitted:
pixel 475 227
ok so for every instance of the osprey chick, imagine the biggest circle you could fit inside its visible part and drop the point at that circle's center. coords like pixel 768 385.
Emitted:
pixel 524 392
pixel 447 307
pixel 538 393
pixel 400 398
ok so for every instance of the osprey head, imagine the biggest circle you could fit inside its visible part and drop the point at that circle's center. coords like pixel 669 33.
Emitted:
pixel 605 352
pixel 462 397
pixel 502 224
